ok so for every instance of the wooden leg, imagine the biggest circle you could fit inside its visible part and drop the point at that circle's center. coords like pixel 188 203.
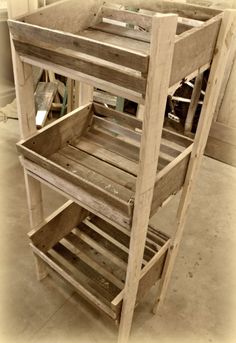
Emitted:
pixel 193 104
pixel 85 94
pixel 70 95
pixel 35 206
pixel 162 46
pixel 226 38
pixel 26 113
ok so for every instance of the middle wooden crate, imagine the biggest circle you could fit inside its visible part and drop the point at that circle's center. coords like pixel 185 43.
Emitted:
pixel 93 153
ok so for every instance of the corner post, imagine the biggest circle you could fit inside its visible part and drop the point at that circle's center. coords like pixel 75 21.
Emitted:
pixel 162 46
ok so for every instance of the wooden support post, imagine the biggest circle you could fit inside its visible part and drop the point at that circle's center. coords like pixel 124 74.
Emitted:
pixel 70 92
pixel 226 39
pixel 85 94
pixel 162 45
pixel 26 114
pixel 193 104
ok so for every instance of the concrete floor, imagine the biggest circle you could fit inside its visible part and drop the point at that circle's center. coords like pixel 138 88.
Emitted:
pixel 201 301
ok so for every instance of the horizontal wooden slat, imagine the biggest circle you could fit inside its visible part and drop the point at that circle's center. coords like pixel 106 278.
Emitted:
pixel 109 52
pixel 193 49
pixel 82 253
pixel 110 172
pixel 96 68
pixel 126 16
pixel 116 235
pixel 170 183
pixel 113 127
pixel 98 151
pixel 120 117
pixel 182 9
pixel 99 181
pixel 113 144
pixel 141 36
pixel 88 79
pixel 57 225
pixel 101 249
pixel 66 254
pixel 78 194
pixel 69 277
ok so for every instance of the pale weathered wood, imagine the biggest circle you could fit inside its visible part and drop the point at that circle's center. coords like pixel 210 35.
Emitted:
pixel 87 79
pixel 129 17
pixel 62 131
pixel 57 225
pixel 26 113
pixel 142 36
pixel 162 46
pixel 78 195
pixel 69 276
pixel 121 76
pixel 194 48
pixel 109 52
pixel 226 38
pixel 85 94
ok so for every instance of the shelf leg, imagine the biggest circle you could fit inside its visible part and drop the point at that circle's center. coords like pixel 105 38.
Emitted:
pixel 162 46
pixel 85 94
pixel 226 39
pixel 26 113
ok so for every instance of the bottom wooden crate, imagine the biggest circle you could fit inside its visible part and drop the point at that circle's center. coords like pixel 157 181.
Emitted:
pixel 92 255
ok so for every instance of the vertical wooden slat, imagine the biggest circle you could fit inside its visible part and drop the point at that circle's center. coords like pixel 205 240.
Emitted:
pixel 162 45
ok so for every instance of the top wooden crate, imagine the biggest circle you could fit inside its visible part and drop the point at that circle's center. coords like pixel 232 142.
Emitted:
pixel 75 39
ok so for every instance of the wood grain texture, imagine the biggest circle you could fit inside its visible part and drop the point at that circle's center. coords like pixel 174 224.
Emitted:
pixel 109 52
pixel 124 78
pixel 193 49
pixel 57 225
pixel 162 47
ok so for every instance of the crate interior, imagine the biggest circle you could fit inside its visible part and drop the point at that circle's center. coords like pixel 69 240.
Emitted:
pixel 97 149
pixel 93 256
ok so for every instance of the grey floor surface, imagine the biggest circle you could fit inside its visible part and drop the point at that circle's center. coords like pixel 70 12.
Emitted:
pixel 201 301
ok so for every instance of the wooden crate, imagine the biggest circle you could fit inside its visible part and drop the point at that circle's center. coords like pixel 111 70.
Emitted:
pixel 96 149
pixel 96 50
pixel 92 255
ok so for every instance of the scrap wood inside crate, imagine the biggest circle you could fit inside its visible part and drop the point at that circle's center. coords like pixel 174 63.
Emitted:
pixel 93 255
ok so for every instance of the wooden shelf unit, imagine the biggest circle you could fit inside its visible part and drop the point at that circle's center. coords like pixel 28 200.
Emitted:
pixel 115 170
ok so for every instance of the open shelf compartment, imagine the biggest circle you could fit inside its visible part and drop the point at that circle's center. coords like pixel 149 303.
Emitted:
pixel 92 255
pixel 96 151
pixel 96 40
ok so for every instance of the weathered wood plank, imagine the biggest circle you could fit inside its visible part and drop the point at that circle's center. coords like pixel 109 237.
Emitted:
pixel 98 151
pixel 141 36
pixel 77 194
pixel 88 66
pixel 54 38
pixel 60 132
pixel 127 16
pixel 57 225
pixel 194 48
pixel 162 47
pixel 112 173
